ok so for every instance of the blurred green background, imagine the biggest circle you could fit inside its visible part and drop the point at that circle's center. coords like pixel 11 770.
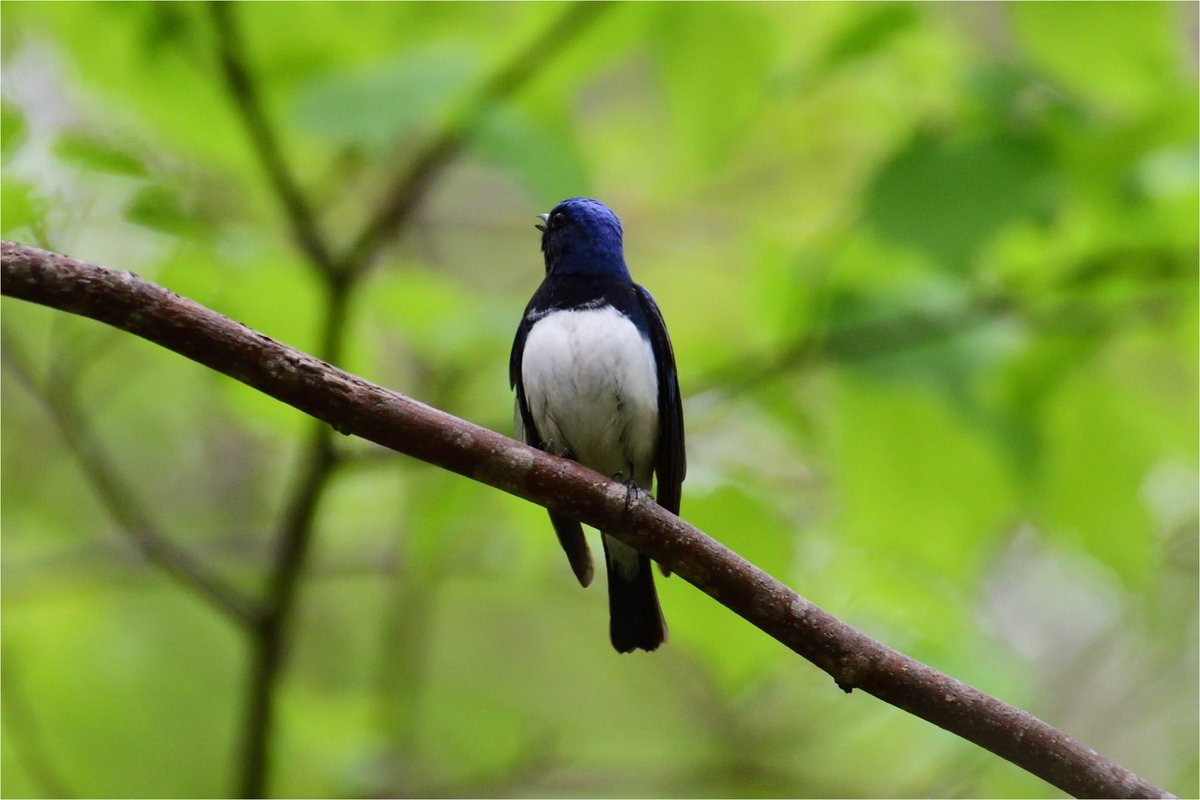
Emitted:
pixel 930 271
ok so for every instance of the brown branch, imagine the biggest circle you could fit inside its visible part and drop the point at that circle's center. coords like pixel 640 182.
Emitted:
pixel 354 406
pixel 413 181
pixel 121 501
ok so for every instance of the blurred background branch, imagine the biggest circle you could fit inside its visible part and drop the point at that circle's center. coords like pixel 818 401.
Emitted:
pixel 296 529
pixel 339 278
pixel 119 498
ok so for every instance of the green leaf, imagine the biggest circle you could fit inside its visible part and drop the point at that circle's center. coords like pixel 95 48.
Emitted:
pixel 117 57
pixel 429 309
pixel 924 329
pixel 547 159
pixel 1019 390
pixel 871 31
pixel 1117 55
pixel 950 198
pixel 714 59
pixel 23 207
pixel 1167 173
pixel 95 153
pixel 13 128
pixel 1098 452
pixel 376 106
pixel 917 485
pixel 161 208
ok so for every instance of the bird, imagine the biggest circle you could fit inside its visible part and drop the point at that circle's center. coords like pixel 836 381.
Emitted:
pixel 595 380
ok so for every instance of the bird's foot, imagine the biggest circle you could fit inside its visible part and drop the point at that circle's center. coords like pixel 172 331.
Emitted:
pixel 632 490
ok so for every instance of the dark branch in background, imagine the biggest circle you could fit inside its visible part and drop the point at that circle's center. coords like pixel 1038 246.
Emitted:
pixel 121 501
pixel 271 645
pixel 292 543
pixel 354 406
pixel 340 277
pixel 295 534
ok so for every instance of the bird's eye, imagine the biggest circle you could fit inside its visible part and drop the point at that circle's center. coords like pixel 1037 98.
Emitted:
pixel 558 219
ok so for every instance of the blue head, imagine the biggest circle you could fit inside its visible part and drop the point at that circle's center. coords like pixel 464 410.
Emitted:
pixel 581 236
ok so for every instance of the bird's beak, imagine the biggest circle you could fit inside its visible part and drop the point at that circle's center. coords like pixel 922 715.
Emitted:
pixel 545 220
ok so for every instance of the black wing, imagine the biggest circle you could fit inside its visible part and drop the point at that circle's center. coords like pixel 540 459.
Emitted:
pixel 670 462
pixel 528 430
pixel 569 531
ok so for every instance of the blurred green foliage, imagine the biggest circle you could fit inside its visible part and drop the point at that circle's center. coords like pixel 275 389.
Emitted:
pixel 930 272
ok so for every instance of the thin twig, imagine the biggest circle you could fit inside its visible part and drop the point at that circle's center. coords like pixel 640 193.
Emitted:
pixel 355 406
pixel 121 501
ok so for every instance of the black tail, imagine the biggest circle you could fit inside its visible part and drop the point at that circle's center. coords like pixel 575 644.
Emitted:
pixel 635 618
pixel 570 536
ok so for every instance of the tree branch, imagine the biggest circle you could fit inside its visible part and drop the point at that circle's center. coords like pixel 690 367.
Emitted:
pixel 354 406
pixel 121 502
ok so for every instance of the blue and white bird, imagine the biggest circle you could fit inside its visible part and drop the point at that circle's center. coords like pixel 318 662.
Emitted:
pixel 595 378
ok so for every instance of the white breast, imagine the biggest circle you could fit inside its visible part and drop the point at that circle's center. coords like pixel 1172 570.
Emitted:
pixel 592 389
